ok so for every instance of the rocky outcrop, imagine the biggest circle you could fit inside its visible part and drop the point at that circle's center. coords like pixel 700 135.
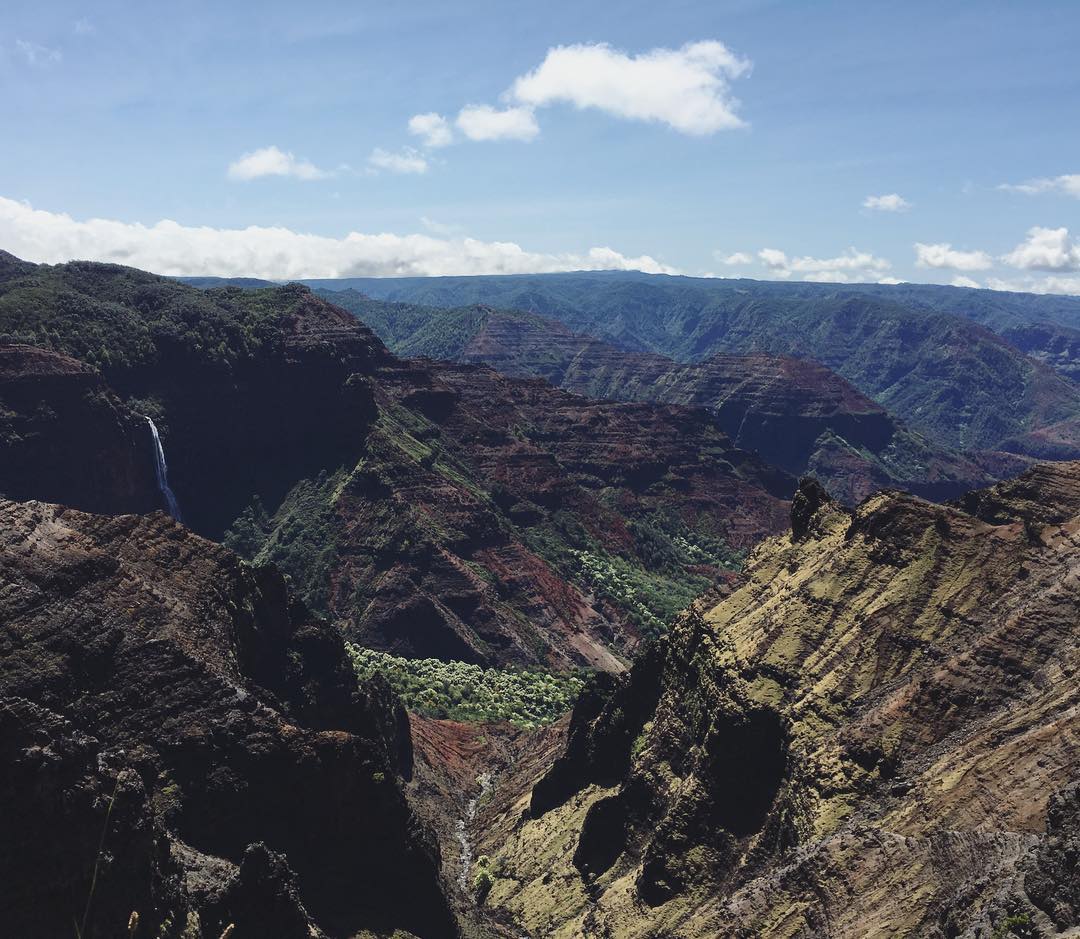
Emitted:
pixel 181 740
pixel 66 437
pixel 874 734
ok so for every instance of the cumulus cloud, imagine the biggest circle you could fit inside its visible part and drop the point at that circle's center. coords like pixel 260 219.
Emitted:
pixel 961 280
pixel 739 257
pixel 852 266
pixel 280 253
pixel 945 256
pixel 483 122
pixel 892 202
pixel 37 56
pixel 687 88
pixel 433 128
pixel 407 161
pixel 270 161
pixel 1046 249
pixel 1069 185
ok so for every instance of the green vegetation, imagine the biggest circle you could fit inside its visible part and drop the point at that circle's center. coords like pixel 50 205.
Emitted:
pixel 1016 925
pixel 301 537
pixel 463 692
pixel 124 320
pixel 651 586
pixel 483 879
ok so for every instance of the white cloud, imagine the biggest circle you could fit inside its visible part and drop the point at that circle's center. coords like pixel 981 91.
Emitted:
pixel 434 128
pixel 962 280
pixel 1063 285
pixel 893 202
pixel 37 56
pixel 483 122
pixel 1046 249
pixel 945 256
pixel 1069 185
pixel 739 257
pixel 279 253
pixel 852 266
pixel 687 88
pixel 407 161
pixel 83 27
pixel 270 161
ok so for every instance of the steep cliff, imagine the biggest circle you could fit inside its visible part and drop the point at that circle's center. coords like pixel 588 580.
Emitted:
pixel 66 437
pixel 876 733
pixel 497 520
pixel 795 413
pixel 918 350
pixel 182 741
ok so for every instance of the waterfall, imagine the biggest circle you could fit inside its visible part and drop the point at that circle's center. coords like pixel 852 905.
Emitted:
pixel 163 473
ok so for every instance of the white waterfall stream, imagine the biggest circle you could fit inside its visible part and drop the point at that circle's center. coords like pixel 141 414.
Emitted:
pixel 162 470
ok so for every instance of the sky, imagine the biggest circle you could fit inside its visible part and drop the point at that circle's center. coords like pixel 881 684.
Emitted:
pixel 847 141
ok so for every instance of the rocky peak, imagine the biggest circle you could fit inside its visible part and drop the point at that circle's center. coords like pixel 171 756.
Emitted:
pixel 808 498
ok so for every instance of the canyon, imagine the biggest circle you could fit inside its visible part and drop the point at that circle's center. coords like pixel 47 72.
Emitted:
pixel 837 708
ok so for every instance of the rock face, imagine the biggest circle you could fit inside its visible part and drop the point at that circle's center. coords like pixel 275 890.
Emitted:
pixel 430 510
pixel 181 740
pixel 65 437
pixel 490 476
pixel 250 391
pixel 876 733
pixel 798 415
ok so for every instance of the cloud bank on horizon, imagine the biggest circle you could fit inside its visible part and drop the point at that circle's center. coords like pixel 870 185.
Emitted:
pixel 278 253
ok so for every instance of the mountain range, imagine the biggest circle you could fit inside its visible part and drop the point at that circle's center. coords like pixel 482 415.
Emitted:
pixel 927 354
pixel 796 413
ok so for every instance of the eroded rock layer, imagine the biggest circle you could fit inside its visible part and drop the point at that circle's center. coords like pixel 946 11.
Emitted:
pixel 182 741
pixel 876 734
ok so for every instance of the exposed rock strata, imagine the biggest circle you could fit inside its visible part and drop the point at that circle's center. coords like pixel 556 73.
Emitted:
pixel 875 734
pixel 795 413
pixel 182 740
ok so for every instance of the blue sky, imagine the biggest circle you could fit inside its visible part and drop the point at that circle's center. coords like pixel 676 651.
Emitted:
pixel 131 114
